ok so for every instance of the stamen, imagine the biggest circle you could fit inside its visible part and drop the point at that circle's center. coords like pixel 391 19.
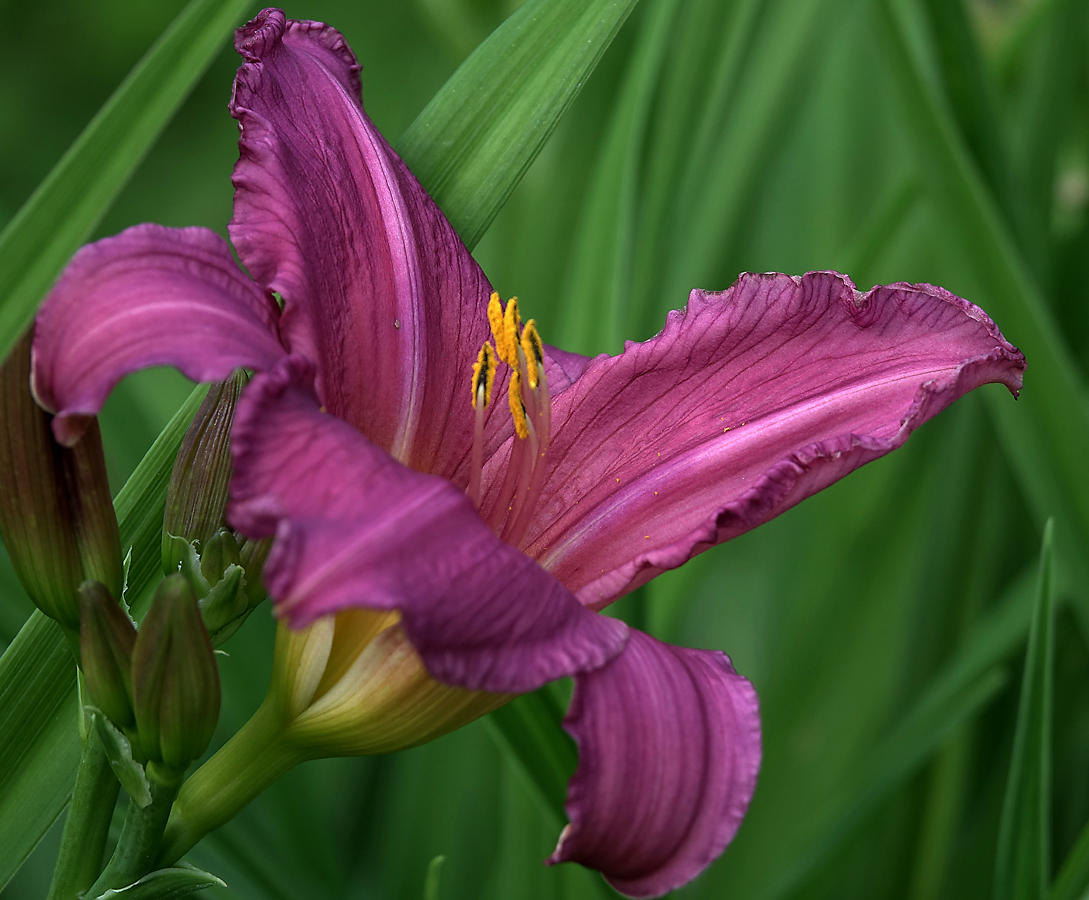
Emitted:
pixel 495 320
pixel 542 428
pixel 517 407
pixel 476 464
pixel 533 351
pixel 512 331
pixel 511 508
pixel 484 375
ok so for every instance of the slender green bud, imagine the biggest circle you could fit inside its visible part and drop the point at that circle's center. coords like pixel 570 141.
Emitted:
pixel 56 514
pixel 175 681
pixel 106 640
pixel 197 496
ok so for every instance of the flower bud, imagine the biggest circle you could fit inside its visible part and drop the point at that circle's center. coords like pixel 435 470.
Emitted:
pixel 197 495
pixel 220 552
pixel 106 640
pixel 56 514
pixel 175 681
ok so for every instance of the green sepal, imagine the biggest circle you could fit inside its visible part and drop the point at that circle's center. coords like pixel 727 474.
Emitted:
pixel 218 554
pixel 119 752
pixel 188 563
pixel 164 884
pixel 226 604
pixel 219 581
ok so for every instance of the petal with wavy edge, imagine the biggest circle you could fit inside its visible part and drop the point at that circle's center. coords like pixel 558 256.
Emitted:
pixel 377 286
pixel 149 296
pixel 669 750
pixel 747 402
pixel 354 527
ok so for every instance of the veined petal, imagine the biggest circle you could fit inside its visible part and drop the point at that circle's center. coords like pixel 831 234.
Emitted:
pixel 669 750
pixel 149 296
pixel 354 527
pixel 747 402
pixel 376 284
pixel 563 368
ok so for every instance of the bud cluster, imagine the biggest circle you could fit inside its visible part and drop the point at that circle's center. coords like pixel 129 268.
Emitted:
pixel 222 568
pixel 160 684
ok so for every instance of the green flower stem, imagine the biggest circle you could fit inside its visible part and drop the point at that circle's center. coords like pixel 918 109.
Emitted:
pixel 240 770
pixel 88 825
pixel 139 843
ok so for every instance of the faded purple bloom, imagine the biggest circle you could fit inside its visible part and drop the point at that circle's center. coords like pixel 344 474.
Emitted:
pixel 357 446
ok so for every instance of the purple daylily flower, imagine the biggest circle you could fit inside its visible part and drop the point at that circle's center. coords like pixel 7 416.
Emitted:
pixel 497 529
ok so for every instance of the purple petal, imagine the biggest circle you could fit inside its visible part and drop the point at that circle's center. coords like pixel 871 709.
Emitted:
pixel 746 403
pixel 376 284
pixel 354 527
pixel 150 296
pixel 669 750
pixel 563 368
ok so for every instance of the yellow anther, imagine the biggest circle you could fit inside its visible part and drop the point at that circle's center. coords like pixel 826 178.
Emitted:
pixel 512 334
pixel 495 320
pixel 533 351
pixel 517 408
pixel 484 373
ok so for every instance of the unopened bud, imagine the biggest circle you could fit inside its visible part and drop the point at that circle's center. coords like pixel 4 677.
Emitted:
pixel 220 552
pixel 175 680
pixel 106 640
pixel 197 496
pixel 56 514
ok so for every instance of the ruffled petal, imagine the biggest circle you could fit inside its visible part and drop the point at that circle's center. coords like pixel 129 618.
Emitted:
pixel 747 402
pixel 149 296
pixel 377 286
pixel 669 751
pixel 354 527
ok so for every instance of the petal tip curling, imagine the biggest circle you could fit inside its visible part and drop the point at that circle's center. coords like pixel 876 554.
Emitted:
pixel 258 36
pixel 670 748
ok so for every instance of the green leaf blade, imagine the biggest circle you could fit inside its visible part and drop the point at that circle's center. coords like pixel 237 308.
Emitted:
pixel 1022 863
pixel 475 140
pixel 166 884
pixel 63 211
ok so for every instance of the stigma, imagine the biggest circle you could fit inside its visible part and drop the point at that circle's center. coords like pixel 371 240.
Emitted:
pixel 519 347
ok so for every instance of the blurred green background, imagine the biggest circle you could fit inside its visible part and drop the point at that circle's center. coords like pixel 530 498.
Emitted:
pixel 884 621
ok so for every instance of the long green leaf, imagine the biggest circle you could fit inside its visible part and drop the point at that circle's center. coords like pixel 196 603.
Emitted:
pixel 603 263
pixel 1023 861
pixel 1045 434
pixel 953 697
pixel 529 730
pixel 1072 882
pixel 65 208
pixel 39 741
pixel 475 140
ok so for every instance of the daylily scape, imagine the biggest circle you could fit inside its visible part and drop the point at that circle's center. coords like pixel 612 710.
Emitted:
pixel 415 450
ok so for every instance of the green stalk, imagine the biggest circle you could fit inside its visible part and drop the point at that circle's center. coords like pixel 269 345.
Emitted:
pixel 241 769
pixel 139 843
pixel 88 824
